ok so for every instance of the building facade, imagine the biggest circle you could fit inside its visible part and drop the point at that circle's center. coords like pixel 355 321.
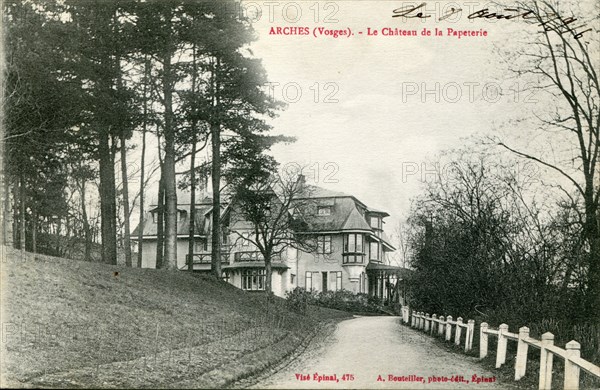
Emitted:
pixel 352 251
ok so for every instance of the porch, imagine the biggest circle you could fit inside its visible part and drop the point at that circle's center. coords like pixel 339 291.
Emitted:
pixel 388 282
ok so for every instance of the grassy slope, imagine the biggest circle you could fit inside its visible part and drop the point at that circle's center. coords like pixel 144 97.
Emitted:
pixel 70 323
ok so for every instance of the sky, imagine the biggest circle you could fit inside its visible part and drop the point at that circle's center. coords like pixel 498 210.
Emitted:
pixel 394 103
pixel 371 112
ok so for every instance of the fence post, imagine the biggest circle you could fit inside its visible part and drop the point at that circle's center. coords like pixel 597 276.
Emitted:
pixel 421 320
pixel 502 342
pixel 469 336
pixel 433 323
pixel 427 322
pixel 413 319
pixel 418 320
pixel 546 362
pixel 483 340
pixel 441 326
pixel 521 360
pixel 458 330
pixel 448 328
pixel 572 370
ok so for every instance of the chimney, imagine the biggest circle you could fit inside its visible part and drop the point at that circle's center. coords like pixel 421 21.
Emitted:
pixel 301 181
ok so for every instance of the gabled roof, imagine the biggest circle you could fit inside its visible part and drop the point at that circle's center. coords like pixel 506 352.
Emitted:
pixel 355 221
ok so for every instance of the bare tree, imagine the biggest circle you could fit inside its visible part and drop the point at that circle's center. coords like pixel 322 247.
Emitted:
pixel 401 237
pixel 564 62
pixel 275 212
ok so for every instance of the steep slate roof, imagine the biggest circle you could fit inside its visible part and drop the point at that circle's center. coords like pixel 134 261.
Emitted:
pixel 345 212
pixel 343 216
pixel 183 222
pixel 355 221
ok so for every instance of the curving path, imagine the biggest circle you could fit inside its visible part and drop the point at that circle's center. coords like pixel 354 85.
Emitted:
pixel 378 352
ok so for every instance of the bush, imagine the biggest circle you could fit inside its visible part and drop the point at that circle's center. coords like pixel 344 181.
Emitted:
pixel 348 301
pixel 298 300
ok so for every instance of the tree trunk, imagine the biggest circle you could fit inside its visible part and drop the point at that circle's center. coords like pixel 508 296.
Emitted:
pixel 127 233
pixel 7 228
pixel 143 163
pixel 108 207
pixel 592 234
pixel 268 275
pixel 192 227
pixel 22 212
pixel 170 258
pixel 160 222
pixel 16 204
pixel 192 215
pixel 215 131
pixel 33 230
pixel 216 209
pixel 58 239
pixel 86 223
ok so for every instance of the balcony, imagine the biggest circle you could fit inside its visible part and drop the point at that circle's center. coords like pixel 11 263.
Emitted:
pixel 206 258
pixel 250 256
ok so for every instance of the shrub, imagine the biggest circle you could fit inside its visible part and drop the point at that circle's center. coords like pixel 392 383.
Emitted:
pixel 348 301
pixel 298 300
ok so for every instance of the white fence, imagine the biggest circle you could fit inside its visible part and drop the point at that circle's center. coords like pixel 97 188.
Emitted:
pixel 571 355
pixel 443 327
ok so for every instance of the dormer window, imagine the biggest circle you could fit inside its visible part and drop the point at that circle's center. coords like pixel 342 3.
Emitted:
pixel 376 222
pixel 324 210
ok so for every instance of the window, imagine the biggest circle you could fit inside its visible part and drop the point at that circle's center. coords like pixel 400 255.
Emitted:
pixel 226 276
pixel 353 248
pixel 324 244
pixel 376 222
pixel 335 280
pixel 357 259
pixel 324 210
pixel 374 251
pixel 353 243
pixel 253 279
pixel 308 285
pixel 292 278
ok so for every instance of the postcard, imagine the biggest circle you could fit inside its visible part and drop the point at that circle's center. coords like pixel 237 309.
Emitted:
pixel 293 194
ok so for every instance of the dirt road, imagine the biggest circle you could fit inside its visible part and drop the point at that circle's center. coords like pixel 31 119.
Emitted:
pixel 378 352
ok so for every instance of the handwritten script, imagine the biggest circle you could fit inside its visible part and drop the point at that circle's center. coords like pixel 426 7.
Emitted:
pixel 551 22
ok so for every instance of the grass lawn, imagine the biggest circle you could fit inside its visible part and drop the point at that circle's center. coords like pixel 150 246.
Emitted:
pixel 70 323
